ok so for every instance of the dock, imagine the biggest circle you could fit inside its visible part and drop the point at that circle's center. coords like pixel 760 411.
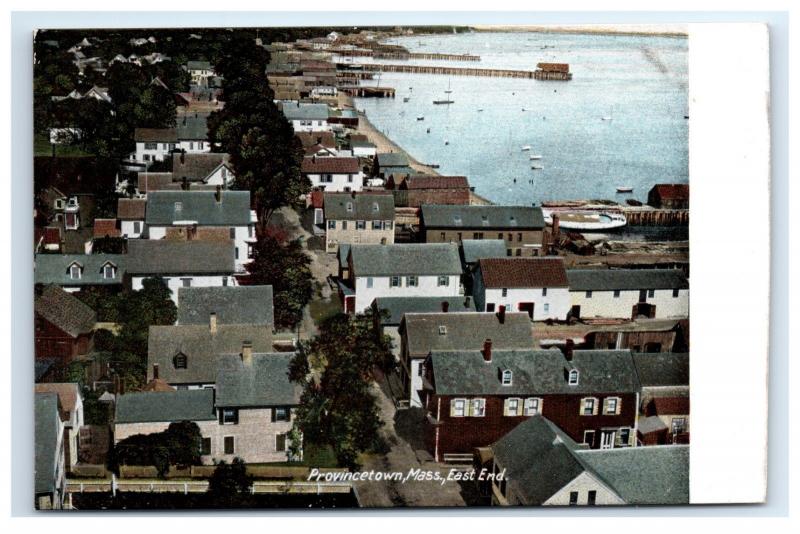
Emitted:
pixel 365 91
pixel 448 71
pixel 378 54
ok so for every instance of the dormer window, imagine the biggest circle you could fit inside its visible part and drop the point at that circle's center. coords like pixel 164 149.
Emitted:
pixel 484 220
pixel 179 361
pixel 442 330
pixel 507 378
pixel 350 207
pixel 375 207
pixel 75 271
pixel 573 377
pixel 457 219
pixel 179 206
pixel 109 271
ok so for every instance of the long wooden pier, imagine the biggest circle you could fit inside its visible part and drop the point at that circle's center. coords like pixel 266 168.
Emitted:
pixel 449 71
pixel 656 217
pixel 378 54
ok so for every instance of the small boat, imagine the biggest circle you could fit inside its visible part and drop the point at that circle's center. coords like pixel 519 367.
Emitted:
pixel 586 220
pixel 421 118
pixel 536 167
pixel 446 101
pixel 405 99
pixel 480 109
pixel 446 142
pixel 607 118
pixel 536 156
pixel 624 189
pixel 686 116
pixel 526 148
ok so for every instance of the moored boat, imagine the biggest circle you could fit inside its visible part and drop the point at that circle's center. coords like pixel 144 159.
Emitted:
pixel 536 167
pixel 525 148
pixel 624 189
pixel 536 156
pixel 585 220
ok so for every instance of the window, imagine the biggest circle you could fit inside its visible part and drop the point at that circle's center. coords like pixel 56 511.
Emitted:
pixel 147 157
pixel 573 498
pixel 394 281
pixel 533 406
pixel 588 294
pixel 344 225
pixel 546 307
pixel 507 377
pixel 500 235
pixel 612 406
pixel 229 448
pixel 349 207
pixel 369 282
pixel 676 293
pixel 592 498
pixel 331 225
pixel 236 253
pixel 137 227
pixel 280 442
pixel 281 413
pixel 588 406
pixel 505 292
pixel 350 178
pixel 512 407
pixel 588 437
pixel 443 281
pixel 361 225
pixel 180 361
pixel 109 271
pixel 477 407
pixel 223 172
pixel 151 146
pixel 230 416
pixel 519 237
pixel 518 252
pixel 544 291
pixel 458 407
pixel 477 235
pixel 616 293
pixel 509 252
pixel 75 271
pixel 191 145
pixel 573 377
pixel 232 233
pixel 186 282
pixel 376 225
pixel 442 236
pixel 205 447
pixel 651 293
pixel 388 225
pixel 490 306
pixel 442 330
pixel 624 437
pixel 412 281
pixel 678 425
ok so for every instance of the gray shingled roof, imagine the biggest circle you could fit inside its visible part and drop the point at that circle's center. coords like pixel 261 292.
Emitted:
pixel 198 65
pixel 265 382
pixel 193 128
pixel 166 207
pixel 359 206
pixel 164 257
pixel 54 269
pixel 406 259
pixel 392 159
pixel 466 331
pixel 626 279
pixel 643 475
pixel 534 372
pixel 312 112
pixel 476 249
pixel 662 369
pixel 166 406
pixel 197 167
pixel 46 429
pixel 399 306
pixel 201 347
pixel 232 304
pixel 454 216
pixel 343 252
pixel 65 311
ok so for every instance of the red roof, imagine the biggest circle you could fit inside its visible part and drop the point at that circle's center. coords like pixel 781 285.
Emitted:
pixel 671 405
pixel 330 165
pixel 106 228
pixel 437 182
pixel 131 209
pixel 523 272
pixel 49 236
pixel 672 191
pixel 317 198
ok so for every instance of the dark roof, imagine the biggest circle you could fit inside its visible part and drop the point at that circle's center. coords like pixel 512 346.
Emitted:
pixel 436 182
pixel 155 135
pixel 465 331
pixel 265 382
pixel 672 191
pixel 396 259
pixel 197 167
pixel 201 348
pixel 392 159
pixel 47 424
pixel 662 369
pixel 523 272
pixel 162 256
pixel 343 252
pixel 329 165
pixel 232 304
pixel 166 207
pixel 193 127
pixel 534 372
pixel 359 206
pixel 315 112
pixel 54 268
pixel 326 139
pixel 166 406
pixel 673 405
pixel 538 458
pixel 396 307
pixel 626 279
pixel 506 217
pixel 477 249
pixel 198 65
pixel 65 311
pixel 106 228
pixel 643 475
pixel 131 209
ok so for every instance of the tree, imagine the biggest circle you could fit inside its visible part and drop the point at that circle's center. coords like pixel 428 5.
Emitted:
pixel 229 486
pixel 179 444
pixel 287 268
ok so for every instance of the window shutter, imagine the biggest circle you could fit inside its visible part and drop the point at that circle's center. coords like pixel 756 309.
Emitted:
pixel 582 406
pixel 619 406
pixel 541 405
pixel 505 407
pixel 274 414
pixel 470 408
pixel 605 405
pixel 219 411
pixel 596 406
pixel 452 407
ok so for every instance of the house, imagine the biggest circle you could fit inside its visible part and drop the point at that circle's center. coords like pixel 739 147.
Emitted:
pixel 537 286
pixel 423 333
pixel 47 239
pixel 185 356
pixel 71 412
pixel 203 168
pixel 475 397
pixel 664 409
pixel 628 293
pixel 644 335
pixel 423 189
pixel 131 216
pixel 669 196
pixel 106 228
pixel 543 466
pixel 324 91
pixel 180 214
pixel 232 305
pixel 63 326
pixel 363 149
pixel 73 272
pixel 358 218
pixel 522 227
pixel 154 144
pixel 387 162
pixel 307 117
pixel 192 132
pixel 333 173
pixel 200 71
pixel 411 270
pixel 473 250
pixel 324 139
pixel 49 460
pixel 181 263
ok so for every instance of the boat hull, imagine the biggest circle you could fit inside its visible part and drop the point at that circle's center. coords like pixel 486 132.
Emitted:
pixel 586 221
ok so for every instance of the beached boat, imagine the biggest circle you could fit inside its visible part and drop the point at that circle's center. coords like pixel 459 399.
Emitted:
pixel 585 221
pixel 526 148
pixel 536 156
pixel 421 118
pixel 624 189
pixel 537 167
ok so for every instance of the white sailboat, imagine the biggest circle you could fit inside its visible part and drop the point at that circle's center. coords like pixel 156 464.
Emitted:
pixel 536 156
pixel 526 148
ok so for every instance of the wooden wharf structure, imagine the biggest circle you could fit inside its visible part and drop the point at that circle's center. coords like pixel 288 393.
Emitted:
pixel 448 71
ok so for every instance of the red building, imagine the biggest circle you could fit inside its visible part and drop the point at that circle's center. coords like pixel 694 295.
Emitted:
pixel 425 189
pixel 669 196
pixel 473 398
pixel 64 326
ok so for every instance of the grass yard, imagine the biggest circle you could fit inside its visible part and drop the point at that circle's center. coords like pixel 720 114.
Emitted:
pixel 42 147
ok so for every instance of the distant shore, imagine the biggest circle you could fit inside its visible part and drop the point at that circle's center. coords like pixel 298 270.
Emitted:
pixel 656 30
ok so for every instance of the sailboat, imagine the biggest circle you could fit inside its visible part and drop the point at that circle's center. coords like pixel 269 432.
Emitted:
pixel 526 148
pixel 536 156
pixel 445 100
pixel 609 117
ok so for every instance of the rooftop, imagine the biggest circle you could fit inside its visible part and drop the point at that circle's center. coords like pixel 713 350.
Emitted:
pixel 232 304
pixel 662 369
pixel 396 307
pixel 478 249
pixel 193 127
pixel 264 382
pixel 626 279
pixel 65 311
pixel 324 138
pixel 436 182
pixel 68 393
pixel 131 209
pixel 197 167
pixel 359 206
pixel 155 135
pixel 454 216
pixel 47 425
pixel 523 272
pixel 329 165
pixel 153 257
pixel 392 159
pixel 428 332
pixel 54 269
pixel 166 406
pixel 672 191
pixel 315 112
pixel 168 207
pixel 405 259
pixel 106 228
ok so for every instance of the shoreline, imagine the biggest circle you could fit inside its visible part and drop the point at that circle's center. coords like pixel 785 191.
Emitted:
pixel 590 29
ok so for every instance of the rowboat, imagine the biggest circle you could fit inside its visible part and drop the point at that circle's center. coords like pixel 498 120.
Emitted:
pixel 536 156
pixel 526 148
pixel 624 189
pixel 537 167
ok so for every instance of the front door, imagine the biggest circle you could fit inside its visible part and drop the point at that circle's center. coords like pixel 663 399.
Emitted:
pixel 607 439
pixel 526 307
pixel 643 295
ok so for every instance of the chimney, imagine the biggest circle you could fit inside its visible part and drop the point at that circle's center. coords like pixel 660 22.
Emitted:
pixel 247 353
pixel 501 314
pixel 555 225
pixel 487 350
pixel 218 194
pixel 568 348
pixel 155 371
pixel 212 322
pixel 445 306
pixel 467 301
pixel 183 157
